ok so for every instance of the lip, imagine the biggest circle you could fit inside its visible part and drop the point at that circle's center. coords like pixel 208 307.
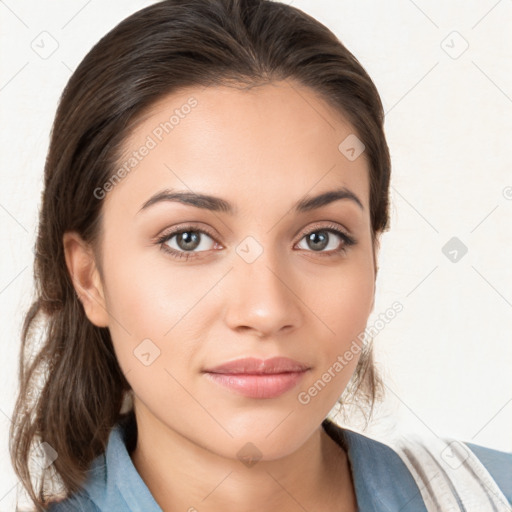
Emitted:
pixel 258 378
pixel 255 366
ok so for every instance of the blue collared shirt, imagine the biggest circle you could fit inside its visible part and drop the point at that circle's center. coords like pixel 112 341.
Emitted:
pixel 381 479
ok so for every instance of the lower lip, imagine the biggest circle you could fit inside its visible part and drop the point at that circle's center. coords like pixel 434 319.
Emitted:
pixel 258 386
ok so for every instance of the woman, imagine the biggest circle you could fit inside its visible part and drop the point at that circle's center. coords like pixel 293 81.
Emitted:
pixel 215 191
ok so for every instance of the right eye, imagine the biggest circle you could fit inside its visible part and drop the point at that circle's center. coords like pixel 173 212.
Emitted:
pixel 185 241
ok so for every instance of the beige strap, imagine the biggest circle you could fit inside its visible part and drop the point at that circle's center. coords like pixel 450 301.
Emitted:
pixel 449 475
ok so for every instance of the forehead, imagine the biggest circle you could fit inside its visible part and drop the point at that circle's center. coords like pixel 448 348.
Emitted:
pixel 271 141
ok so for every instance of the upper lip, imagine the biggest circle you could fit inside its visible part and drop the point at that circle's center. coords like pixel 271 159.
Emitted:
pixel 255 366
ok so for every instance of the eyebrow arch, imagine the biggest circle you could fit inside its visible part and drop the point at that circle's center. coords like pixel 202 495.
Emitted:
pixel 217 204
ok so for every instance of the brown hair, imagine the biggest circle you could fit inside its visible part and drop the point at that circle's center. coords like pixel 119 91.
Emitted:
pixel 71 386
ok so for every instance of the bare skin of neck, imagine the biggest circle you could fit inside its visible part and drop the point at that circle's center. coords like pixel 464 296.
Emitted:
pixel 316 477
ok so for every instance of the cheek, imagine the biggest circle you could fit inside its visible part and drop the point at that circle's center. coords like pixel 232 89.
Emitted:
pixel 343 301
pixel 158 320
pixel 147 295
pixel 348 305
pixel 150 338
pixel 341 305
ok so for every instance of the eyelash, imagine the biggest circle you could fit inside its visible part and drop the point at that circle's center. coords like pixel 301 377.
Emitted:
pixel 347 240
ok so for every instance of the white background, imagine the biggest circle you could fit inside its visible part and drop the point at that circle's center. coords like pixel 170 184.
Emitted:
pixel 447 357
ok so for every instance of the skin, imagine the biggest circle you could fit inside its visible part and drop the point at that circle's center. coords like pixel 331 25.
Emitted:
pixel 261 149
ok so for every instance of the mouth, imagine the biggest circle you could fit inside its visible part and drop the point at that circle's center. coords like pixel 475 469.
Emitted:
pixel 257 378
pixel 262 385
pixel 255 366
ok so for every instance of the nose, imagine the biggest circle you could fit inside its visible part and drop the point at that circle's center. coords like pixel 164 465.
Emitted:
pixel 263 297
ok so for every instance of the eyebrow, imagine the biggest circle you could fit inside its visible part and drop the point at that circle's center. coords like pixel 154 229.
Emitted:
pixel 216 204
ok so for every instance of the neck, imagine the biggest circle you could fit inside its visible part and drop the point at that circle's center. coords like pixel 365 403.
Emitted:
pixel 182 475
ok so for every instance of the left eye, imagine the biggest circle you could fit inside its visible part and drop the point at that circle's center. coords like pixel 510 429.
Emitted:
pixel 322 240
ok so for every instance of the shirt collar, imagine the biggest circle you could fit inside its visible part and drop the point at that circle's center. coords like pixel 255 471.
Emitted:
pixel 382 481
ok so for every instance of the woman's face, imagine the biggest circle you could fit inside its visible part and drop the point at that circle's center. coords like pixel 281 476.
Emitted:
pixel 243 281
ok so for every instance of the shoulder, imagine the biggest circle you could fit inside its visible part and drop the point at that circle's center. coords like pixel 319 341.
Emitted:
pixel 82 500
pixel 498 464
pixel 75 503
pixel 453 472
pixel 112 482
pixel 381 479
pixel 90 497
pixel 424 472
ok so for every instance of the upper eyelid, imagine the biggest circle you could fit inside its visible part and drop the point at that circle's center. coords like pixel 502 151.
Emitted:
pixel 177 231
pixel 319 226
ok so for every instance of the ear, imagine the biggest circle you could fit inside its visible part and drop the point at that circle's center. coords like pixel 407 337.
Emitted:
pixel 376 250
pixel 82 268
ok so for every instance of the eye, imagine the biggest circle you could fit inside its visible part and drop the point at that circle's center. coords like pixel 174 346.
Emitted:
pixel 327 237
pixel 186 241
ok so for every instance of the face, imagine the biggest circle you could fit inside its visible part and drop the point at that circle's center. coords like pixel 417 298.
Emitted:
pixel 186 287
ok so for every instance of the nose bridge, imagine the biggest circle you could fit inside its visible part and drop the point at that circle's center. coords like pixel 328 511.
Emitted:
pixel 261 294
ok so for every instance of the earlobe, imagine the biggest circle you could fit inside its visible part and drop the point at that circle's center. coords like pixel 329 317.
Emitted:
pixel 82 268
